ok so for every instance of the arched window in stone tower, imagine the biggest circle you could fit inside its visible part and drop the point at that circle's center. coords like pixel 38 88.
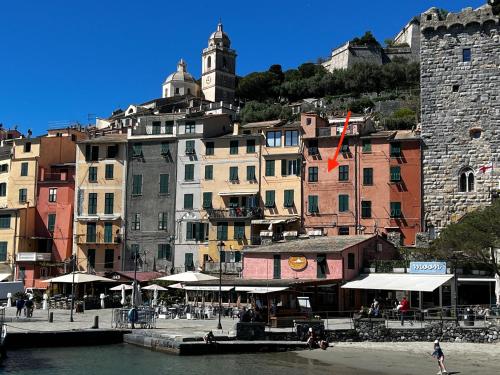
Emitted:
pixel 209 62
pixel 466 180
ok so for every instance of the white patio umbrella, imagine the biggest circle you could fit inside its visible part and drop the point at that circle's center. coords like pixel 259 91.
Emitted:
pixel 136 294
pixel 155 288
pixel 123 300
pixel 122 286
pixel 497 288
pixel 79 278
pixel 187 277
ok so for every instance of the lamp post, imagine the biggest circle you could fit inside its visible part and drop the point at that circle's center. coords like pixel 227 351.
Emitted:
pixel 73 261
pixel 220 245
pixel 455 281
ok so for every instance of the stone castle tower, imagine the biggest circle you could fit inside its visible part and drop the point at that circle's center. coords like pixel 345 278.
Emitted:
pixel 460 95
pixel 218 78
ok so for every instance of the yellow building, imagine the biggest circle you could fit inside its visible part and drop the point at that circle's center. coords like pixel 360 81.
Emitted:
pixel 279 180
pixel 7 225
pixel 230 190
pixel 100 202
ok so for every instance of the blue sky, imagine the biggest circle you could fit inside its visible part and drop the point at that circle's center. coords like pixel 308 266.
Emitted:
pixel 63 60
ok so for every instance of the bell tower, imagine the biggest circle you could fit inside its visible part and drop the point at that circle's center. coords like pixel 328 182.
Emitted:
pixel 218 73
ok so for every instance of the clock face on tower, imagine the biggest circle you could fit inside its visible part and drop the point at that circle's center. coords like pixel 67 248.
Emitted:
pixel 208 79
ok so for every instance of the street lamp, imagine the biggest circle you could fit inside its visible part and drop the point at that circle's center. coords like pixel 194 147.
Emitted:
pixel 73 261
pixel 220 245
pixel 455 280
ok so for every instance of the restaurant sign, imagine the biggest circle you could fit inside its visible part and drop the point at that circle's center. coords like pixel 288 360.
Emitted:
pixel 297 262
pixel 428 267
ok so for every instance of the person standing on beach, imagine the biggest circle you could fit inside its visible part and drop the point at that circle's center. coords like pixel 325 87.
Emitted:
pixel 439 355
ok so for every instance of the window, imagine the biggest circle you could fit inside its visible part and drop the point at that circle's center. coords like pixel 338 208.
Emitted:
pixel 239 231
pixel 112 152
pixel 91 257
pixel 156 127
pixel 233 147
pixel 190 127
pixel 233 174
pixel 92 206
pixel 367 146
pixel 51 222
pixel 108 232
pixel 24 169
pixel 165 148
pixel 313 174
pixel 209 148
pixel 455 88
pixel 134 250
pixel 169 127
pixel 366 209
pixel 250 146
pixel 4 168
pixel 207 200
pixel 23 195
pixel 270 202
pixel 136 221
pixel 162 221
pixel 368 176
pixel 276 266
pixel 188 262
pixel 91 153
pixel 466 55
pixel 3 189
pixel 345 147
pixel 313 204
pixel 308 121
pixel 395 174
pixel 396 210
pixel 343 231
pixel 190 148
pixel 222 231
pixel 4 221
pixel 288 198
pixel 312 147
pixel 251 173
pixel 466 180
pixel 290 167
pixel 3 251
pixel 209 172
pixel 52 195
pixel 27 147
pixel 321 266
pixel 188 201
pixel 163 251
pixel 109 258
pixel 109 171
pixel 273 139
pixel 351 260
pixel 197 231
pixel 395 149
pixel 93 174
pixel 177 91
pixel 343 202
pixel 91 232
pixel 109 199
pixel 164 177
pixel 137 150
pixel 291 138
pixel 270 167
pixel 344 173
pixel 189 172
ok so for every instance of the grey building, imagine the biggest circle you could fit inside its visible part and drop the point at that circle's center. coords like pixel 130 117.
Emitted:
pixel 151 191
pixel 460 81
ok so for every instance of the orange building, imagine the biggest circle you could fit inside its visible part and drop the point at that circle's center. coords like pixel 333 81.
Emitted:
pixel 376 189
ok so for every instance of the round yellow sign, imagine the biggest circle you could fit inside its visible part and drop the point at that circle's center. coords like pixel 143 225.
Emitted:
pixel 297 262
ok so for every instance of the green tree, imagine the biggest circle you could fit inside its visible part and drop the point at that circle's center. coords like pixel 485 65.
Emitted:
pixel 473 239
pixel 367 39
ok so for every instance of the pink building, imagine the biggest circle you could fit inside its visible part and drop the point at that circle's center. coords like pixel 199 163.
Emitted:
pixel 322 261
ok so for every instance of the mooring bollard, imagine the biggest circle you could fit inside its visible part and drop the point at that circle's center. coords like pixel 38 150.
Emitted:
pixel 96 322
pixel 51 317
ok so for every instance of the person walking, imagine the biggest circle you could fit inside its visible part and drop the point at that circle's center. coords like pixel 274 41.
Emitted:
pixel 405 307
pixel 19 307
pixel 439 355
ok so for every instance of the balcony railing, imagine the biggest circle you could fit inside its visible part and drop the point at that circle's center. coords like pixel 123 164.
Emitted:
pixel 98 238
pixel 227 268
pixel 235 213
pixel 33 257
pixel 56 177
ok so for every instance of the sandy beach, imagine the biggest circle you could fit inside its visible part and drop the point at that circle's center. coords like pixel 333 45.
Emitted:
pixel 412 358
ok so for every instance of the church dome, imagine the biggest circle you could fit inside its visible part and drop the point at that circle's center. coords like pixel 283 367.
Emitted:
pixel 219 38
pixel 181 74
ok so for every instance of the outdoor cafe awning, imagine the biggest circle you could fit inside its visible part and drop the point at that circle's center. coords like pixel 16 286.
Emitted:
pixel 259 290
pixel 393 281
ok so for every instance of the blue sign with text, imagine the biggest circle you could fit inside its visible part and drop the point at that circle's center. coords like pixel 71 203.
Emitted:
pixel 428 267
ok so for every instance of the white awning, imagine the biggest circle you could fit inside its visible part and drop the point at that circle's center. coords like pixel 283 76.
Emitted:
pixel 476 279
pixel 236 192
pixel 208 288
pixel 259 290
pixel 4 276
pixel 394 281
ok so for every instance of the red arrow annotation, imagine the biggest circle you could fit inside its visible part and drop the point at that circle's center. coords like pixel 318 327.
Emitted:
pixel 332 162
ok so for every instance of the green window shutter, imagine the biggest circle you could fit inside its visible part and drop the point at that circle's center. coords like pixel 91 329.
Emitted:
pixel 209 148
pixel 368 176
pixel 367 145
pixel 156 127
pixel 239 231
pixel 162 221
pixel 396 210
pixel 209 172
pixel 276 266
pixel 93 174
pixel 137 150
pixel 288 198
pixel 189 172
pixel 109 200
pixel 395 149
pixel 109 171
pixel 366 209
pixel 395 174
pixel 51 222
pixel 188 201
pixel 109 258
pixel 250 146
pixel 108 232
pixel 284 171
pixel 5 221
pixel 270 198
pixel 251 173
pixel 189 231
pixel 92 206
pixel 233 147
pixel 3 189
pixel 270 167
pixel 24 169
pixel 3 251
pixel 321 266
pixel 164 183
pixel 344 173
pixel 190 147
pixel 165 148
pixel 207 200
pixel 91 232
pixel 233 173
pixel 222 231
pixel 137 184
pixel 188 262
pixel 169 127
pixel 313 204
pixel 343 203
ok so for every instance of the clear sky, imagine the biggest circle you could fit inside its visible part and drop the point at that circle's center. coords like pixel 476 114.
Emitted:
pixel 62 60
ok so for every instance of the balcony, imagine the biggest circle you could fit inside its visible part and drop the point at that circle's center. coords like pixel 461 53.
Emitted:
pixel 99 238
pixel 33 257
pixel 235 213
pixel 234 268
pixel 55 177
